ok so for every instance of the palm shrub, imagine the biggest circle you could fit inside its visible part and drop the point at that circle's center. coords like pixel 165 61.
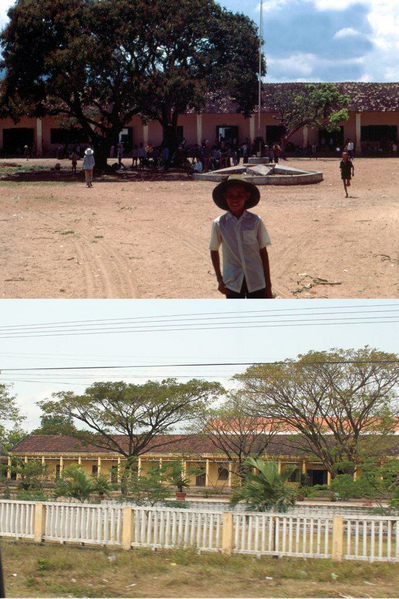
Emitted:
pixel 77 484
pixel 264 487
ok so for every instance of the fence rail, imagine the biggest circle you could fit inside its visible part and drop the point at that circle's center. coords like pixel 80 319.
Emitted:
pixel 353 537
pixel 83 524
pixel 17 519
pixel 177 528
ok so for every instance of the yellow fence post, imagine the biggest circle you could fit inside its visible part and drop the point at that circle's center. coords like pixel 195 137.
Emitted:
pixel 127 529
pixel 39 522
pixel 227 534
pixel 338 538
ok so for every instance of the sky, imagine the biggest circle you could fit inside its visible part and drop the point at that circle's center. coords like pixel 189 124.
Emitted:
pixel 321 40
pixel 258 332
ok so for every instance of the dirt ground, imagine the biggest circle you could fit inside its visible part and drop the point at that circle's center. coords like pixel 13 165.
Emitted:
pixel 149 239
pixel 61 571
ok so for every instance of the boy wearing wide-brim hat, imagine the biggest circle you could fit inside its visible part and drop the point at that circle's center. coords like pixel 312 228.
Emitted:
pixel 88 165
pixel 244 239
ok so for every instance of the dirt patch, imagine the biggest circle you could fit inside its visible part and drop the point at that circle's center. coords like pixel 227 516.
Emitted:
pixel 146 235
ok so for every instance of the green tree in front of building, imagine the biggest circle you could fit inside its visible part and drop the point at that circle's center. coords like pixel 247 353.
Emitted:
pixel 101 62
pixel 128 419
pixel 319 105
pixel 11 420
pixel 55 424
pixel 375 482
pixel 342 404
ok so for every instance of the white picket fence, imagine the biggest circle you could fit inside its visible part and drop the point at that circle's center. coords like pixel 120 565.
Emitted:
pixel 372 538
pixel 16 519
pixel 168 528
pixel 65 522
pixel 262 534
pixel 355 537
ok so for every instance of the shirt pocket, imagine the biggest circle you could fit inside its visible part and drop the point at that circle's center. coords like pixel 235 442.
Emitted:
pixel 250 237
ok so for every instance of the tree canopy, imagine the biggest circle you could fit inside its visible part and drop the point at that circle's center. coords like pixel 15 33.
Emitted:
pixel 315 105
pixel 341 403
pixel 55 424
pixel 128 418
pixel 100 62
pixel 10 419
pixel 234 432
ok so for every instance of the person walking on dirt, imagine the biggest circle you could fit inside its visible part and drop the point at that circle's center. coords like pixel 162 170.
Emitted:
pixel 26 152
pixel 88 165
pixel 74 160
pixel 244 239
pixel 276 152
pixel 347 171
pixel 119 153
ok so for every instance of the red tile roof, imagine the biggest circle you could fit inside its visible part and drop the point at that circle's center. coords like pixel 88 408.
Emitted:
pixel 186 444
pixel 381 97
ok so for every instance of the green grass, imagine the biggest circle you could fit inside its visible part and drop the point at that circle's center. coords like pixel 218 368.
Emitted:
pixel 54 570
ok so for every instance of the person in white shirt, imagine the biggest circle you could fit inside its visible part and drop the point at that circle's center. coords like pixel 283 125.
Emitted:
pixel 350 147
pixel 244 239
pixel 88 165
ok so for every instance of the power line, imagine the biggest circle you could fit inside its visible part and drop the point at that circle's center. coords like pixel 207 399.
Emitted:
pixel 185 316
pixel 198 365
pixel 337 322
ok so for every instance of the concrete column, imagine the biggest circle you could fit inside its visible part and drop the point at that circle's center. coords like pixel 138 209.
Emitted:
pixel 127 529
pixel 227 533
pixel 98 466
pixel 338 538
pixel 304 467
pixel 305 136
pixel 279 467
pixel 43 460
pixel 61 465
pixel 199 129
pixel 329 478
pixel 145 134
pixel 160 463
pixel 26 459
pixel 39 137
pixel 229 480
pixel 9 464
pixel 252 128
pixel 79 461
pixel 207 472
pixel 184 468
pixel 118 471
pixel 39 522
pixel 139 467
pixel 358 145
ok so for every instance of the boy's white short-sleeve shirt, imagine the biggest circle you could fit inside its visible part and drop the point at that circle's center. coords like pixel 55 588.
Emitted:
pixel 241 240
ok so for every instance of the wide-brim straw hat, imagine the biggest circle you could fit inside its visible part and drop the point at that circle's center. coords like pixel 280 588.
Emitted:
pixel 89 152
pixel 220 190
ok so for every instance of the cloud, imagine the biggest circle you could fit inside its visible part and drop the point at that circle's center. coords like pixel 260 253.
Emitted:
pixel 345 32
pixel 310 67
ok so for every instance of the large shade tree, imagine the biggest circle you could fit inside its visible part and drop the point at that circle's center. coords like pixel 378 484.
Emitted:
pixel 234 432
pixel 131 419
pixel 341 403
pixel 320 106
pixel 100 62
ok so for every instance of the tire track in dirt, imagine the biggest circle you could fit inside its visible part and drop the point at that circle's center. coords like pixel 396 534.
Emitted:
pixel 113 280
pixel 115 276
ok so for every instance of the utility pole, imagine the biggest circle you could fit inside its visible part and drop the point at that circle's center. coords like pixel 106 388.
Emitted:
pixel 260 64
